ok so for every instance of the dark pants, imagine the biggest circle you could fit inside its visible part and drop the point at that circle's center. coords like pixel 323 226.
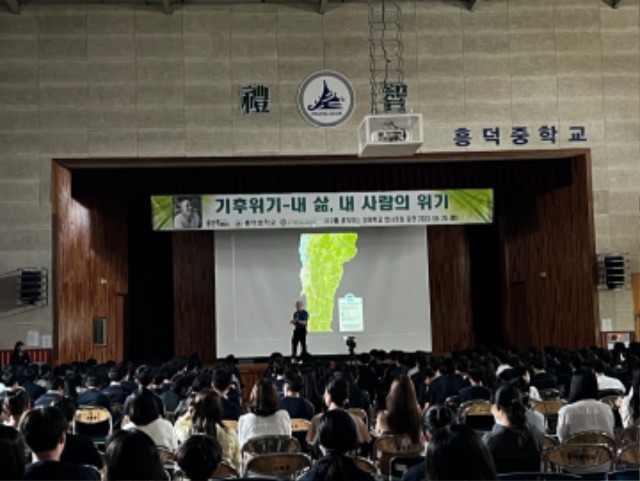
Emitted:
pixel 299 336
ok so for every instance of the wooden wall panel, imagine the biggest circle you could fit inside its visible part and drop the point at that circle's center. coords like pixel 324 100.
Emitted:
pixel 194 295
pixel 449 285
pixel 549 256
pixel 91 271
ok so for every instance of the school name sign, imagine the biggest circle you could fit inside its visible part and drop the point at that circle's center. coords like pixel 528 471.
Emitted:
pixel 322 210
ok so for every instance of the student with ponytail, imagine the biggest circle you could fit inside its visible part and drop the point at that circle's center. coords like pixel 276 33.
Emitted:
pixel 514 444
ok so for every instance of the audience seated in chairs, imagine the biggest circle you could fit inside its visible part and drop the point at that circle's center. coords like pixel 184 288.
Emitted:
pixel 92 396
pixel 116 392
pixel 145 417
pixel 78 449
pixel 337 435
pixel 12 453
pixel 514 444
pixel 541 379
pixel 221 382
pixel 402 415
pixel 335 395
pixel 54 392
pixel 264 416
pixel 143 378
pixel 607 383
pixel 198 457
pixel 477 390
pixel 180 384
pixel 45 431
pixel 16 404
pixel 456 453
pixel 132 455
pixel 449 383
pixel 293 402
pixel 584 412
pixel 205 417
pixel 434 418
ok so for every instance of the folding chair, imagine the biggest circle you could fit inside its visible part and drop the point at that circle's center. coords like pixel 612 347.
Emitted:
pixel 592 437
pixel 477 415
pixel 582 459
pixel 549 410
pixel 269 444
pixel 359 413
pixel 94 422
pixel 391 445
pixel 281 465
pixel 225 470
pixel 629 457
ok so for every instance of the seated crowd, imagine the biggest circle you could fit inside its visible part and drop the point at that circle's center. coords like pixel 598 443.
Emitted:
pixel 179 419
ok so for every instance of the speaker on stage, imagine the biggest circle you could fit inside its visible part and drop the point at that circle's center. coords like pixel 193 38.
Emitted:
pixel 32 287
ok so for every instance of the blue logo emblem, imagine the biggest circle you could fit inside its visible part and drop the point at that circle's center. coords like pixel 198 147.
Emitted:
pixel 326 99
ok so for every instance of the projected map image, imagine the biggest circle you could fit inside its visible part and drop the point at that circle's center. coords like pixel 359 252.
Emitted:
pixel 323 258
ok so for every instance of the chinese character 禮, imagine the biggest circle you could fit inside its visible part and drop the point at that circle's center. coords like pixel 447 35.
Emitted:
pixel 254 99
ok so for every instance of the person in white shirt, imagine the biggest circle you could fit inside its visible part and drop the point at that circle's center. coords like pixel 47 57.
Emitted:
pixel 145 417
pixel 584 412
pixel 629 405
pixel 607 383
pixel 187 217
pixel 265 417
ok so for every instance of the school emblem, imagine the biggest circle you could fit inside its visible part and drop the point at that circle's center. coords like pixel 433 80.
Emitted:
pixel 326 99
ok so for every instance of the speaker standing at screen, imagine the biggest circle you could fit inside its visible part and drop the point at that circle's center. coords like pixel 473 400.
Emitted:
pixel 299 321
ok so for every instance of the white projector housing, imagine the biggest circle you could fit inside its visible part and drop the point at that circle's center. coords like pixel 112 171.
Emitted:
pixel 390 135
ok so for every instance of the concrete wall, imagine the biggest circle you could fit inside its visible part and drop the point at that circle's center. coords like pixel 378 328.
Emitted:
pixel 111 80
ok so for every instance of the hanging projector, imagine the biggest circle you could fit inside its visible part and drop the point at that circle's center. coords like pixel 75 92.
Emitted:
pixel 390 135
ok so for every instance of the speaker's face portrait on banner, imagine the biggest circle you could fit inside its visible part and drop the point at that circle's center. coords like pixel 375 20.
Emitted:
pixel 187 212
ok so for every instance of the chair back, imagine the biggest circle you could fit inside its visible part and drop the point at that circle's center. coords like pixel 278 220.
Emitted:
pixel 94 422
pixel 628 457
pixel 282 465
pixel 300 425
pixel 592 437
pixel 391 445
pixel 548 443
pixel 359 413
pixel 400 464
pixel 225 470
pixel 549 394
pixel 581 458
pixel 168 460
pixel 452 402
pixel 630 435
pixel 549 409
pixel 364 464
pixel 477 415
pixel 271 443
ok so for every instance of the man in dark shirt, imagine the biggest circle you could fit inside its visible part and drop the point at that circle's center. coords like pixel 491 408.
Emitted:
pixel 221 383
pixel 476 390
pixel 45 431
pixel 92 396
pixel 448 384
pixel 293 402
pixel 55 392
pixel 28 383
pixel 115 391
pixel 540 378
pixel 299 322
pixel 180 384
